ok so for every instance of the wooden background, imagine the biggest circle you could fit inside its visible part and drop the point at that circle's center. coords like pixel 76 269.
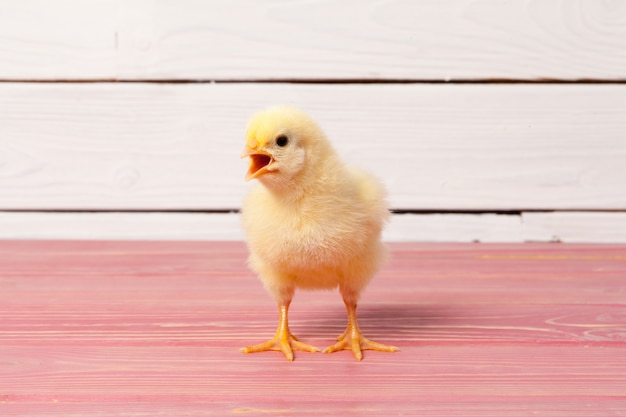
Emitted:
pixel 491 121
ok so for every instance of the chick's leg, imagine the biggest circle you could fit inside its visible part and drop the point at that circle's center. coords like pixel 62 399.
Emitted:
pixel 352 339
pixel 283 340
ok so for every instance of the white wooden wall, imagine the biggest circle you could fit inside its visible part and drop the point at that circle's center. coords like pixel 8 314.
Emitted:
pixel 124 119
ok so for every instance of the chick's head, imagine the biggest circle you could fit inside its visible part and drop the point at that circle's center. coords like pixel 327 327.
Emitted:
pixel 281 142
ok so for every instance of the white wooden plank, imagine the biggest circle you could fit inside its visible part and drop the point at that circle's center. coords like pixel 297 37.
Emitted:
pixel 316 39
pixel 62 39
pixel 461 147
pixel 575 227
pixel 536 227
pixel 454 228
pixel 216 226
pixel 120 226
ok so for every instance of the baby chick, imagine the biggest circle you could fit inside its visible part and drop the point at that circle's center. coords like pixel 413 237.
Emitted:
pixel 311 223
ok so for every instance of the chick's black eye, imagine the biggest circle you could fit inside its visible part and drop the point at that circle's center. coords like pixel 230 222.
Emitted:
pixel 282 141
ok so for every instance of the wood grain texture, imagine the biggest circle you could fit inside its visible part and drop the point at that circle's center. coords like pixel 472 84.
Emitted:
pixel 153 328
pixel 463 147
pixel 67 39
pixel 243 39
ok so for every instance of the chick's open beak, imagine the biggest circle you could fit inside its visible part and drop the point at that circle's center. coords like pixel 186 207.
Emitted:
pixel 259 162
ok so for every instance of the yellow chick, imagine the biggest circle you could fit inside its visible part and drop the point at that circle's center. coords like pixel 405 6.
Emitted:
pixel 311 223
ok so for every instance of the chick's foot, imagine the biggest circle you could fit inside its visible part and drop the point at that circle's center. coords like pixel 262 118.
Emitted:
pixel 352 339
pixel 284 342
pixel 356 342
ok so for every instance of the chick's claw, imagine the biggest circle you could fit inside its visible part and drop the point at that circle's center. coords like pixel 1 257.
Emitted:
pixel 356 342
pixel 285 343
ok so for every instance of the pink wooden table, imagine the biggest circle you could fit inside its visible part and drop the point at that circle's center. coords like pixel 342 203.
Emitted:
pixel 154 329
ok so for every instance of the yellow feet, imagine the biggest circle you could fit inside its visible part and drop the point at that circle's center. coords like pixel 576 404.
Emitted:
pixel 353 340
pixel 284 342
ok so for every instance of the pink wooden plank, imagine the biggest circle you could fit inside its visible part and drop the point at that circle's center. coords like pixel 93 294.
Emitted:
pixel 518 406
pixel 153 328
pixel 118 373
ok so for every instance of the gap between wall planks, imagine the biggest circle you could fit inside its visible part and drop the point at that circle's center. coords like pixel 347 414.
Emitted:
pixel 146 328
